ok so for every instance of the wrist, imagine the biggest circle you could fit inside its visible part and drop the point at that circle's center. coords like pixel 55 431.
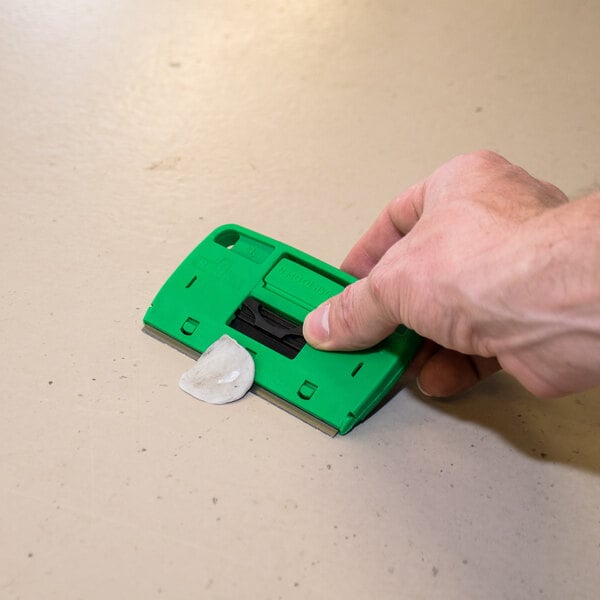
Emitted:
pixel 548 306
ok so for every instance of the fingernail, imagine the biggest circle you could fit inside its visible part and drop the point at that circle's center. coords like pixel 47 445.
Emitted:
pixel 420 388
pixel 316 324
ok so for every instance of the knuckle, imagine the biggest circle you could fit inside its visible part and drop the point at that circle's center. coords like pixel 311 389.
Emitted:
pixel 553 195
pixel 377 286
pixel 482 159
pixel 486 157
pixel 345 314
pixel 469 170
pixel 380 292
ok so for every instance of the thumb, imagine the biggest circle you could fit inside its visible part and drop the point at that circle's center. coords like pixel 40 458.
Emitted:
pixel 355 319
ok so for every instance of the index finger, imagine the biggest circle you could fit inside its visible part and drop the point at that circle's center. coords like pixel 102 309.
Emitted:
pixel 394 222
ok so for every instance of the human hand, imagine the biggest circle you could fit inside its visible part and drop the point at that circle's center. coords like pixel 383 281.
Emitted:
pixel 465 259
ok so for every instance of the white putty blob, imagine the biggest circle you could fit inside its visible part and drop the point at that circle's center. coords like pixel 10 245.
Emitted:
pixel 222 374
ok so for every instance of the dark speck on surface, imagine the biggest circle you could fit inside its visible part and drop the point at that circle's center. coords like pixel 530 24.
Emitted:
pixel 50 382
pixel 30 555
pixel 215 500
pixel 434 571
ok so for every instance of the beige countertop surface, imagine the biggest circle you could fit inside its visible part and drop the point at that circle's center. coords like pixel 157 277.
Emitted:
pixel 129 131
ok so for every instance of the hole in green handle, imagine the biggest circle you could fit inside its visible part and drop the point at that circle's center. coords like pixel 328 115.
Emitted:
pixel 228 239
pixel 358 367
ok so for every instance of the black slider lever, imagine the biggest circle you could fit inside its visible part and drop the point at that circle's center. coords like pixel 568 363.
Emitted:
pixel 260 323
